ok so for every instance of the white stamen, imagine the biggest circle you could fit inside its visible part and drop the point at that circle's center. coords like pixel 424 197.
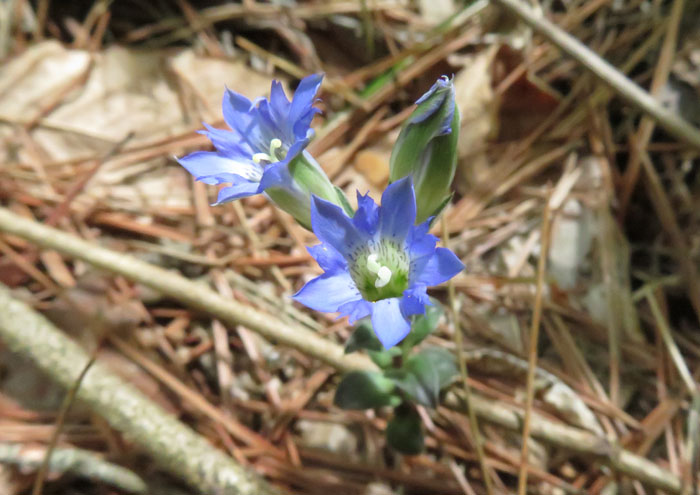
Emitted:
pixel 372 264
pixel 258 157
pixel 383 277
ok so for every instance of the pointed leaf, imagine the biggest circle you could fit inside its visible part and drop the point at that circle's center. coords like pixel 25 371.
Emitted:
pixel 365 390
pixel 384 358
pixel 363 338
pixel 424 375
pixel 404 432
pixel 441 361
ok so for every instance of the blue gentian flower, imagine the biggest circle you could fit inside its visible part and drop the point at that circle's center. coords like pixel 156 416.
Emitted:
pixel 377 263
pixel 265 136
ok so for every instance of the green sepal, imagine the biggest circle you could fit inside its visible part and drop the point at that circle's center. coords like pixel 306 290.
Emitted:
pixel 404 432
pixel 343 201
pixel 310 179
pixel 365 390
pixel 436 214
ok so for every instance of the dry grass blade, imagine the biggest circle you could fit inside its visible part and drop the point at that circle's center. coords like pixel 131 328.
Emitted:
pixel 533 341
pixel 60 419
pixel 669 120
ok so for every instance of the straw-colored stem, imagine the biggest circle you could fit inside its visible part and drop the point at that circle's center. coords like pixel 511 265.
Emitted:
pixel 532 355
pixel 464 372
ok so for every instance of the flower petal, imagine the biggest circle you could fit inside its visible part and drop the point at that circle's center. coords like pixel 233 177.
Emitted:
pixel 214 168
pixel 398 211
pixel 356 309
pixel 328 292
pixel 388 322
pixel 241 115
pixel 414 301
pixel 441 266
pixel 279 104
pixel 240 190
pixel 332 226
pixel 366 218
pixel 301 111
pixel 420 243
pixel 327 258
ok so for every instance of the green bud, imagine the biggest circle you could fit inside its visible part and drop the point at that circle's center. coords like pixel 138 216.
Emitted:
pixel 427 148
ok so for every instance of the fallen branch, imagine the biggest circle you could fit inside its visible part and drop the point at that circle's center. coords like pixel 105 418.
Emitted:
pixel 199 296
pixel 78 462
pixel 172 444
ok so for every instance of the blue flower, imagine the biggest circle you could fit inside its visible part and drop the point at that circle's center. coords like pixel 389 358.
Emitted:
pixel 377 263
pixel 265 136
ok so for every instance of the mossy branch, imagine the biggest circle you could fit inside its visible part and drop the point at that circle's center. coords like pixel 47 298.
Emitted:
pixel 77 462
pixel 176 447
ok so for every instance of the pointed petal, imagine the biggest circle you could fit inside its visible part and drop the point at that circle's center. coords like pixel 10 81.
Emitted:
pixel 328 292
pixel 327 257
pixel 277 175
pixel 303 99
pixel 420 243
pixel 237 191
pixel 227 142
pixel 398 211
pixel 414 301
pixel 332 226
pixel 214 168
pixel 236 108
pixel 389 324
pixel 296 149
pixel 356 309
pixel 241 115
pixel 279 104
pixel 442 266
pixel 366 218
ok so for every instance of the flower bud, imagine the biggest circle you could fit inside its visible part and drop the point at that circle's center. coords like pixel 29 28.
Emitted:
pixel 427 148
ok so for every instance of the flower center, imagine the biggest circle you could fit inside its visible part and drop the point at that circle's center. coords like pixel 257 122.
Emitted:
pixel 270 157
pixel 380 271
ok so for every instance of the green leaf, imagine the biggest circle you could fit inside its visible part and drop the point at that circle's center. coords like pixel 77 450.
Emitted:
pixel 440 360
pixel 404 432
pixel 363 338
pixel 365 390
pixel 423 389
pixel 384 359
pixel 423 325
pixel 424 375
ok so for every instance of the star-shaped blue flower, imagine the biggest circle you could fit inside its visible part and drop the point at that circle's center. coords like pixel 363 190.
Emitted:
pixel 376 263
pixel 265 136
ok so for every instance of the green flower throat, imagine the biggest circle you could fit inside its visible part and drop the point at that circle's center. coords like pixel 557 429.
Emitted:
pixel 380 271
